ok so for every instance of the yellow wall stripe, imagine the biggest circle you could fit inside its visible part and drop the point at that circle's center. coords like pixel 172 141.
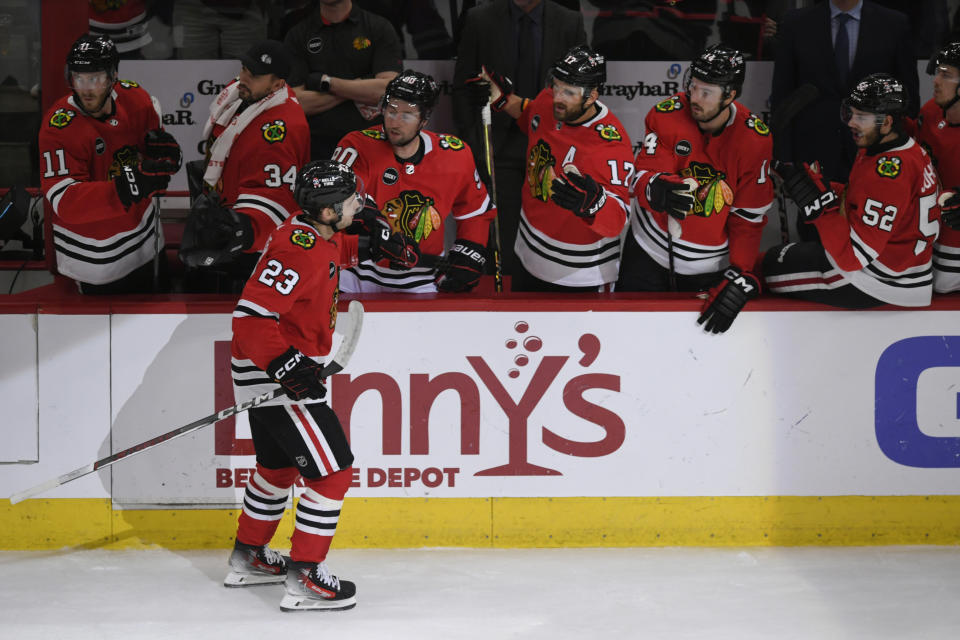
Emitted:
pixel 511 522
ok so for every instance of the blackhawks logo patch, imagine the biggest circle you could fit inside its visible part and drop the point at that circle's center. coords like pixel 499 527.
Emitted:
pixel 129 84
pixel 888 167
pixel 412 214
pixel 758 125
pixel 608 132
pixel 125 156
pixel 540 171
pixel 668 105
pixel 451 142
pixel 61 118
pixel 303 238
pixel 274 131
pixel 376 134
pixel 361 42
pixel 713 192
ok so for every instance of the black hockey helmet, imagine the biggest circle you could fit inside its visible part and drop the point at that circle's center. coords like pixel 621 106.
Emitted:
pixel 325 183
pixel 949 55
pixel 93 53
pixel 878 93
pixel 581 66
pixel 413 87
pixel 720 65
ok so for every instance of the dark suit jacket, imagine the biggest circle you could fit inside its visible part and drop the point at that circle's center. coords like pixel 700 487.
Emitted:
pixel 805 55
pixel 487 39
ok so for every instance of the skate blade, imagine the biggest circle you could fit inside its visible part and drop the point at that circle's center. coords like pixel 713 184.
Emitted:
pixel 303 603
pixel 235 579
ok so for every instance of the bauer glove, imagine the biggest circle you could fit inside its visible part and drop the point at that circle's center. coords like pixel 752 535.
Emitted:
pixel 461 268
pixel 578 193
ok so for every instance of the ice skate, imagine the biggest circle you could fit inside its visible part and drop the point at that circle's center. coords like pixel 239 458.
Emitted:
pixel 311 587
pixel 252 565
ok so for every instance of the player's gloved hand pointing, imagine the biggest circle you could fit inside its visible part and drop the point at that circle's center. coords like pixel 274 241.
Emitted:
pixel 726 299
pixel 298 375
pixel 489 86
pixel 578 193
pixel 668 193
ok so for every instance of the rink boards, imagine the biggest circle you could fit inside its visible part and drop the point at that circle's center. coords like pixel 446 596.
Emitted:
pixel 545 423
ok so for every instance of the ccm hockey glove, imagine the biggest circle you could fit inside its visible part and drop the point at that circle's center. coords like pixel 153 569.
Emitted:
pixel 298 375
pixel 668 193
pixel 161 155
pixel 806 187
pixel 727 299
pixel 385 244
pixel 133 185
pixel 580 194
pixel 461 268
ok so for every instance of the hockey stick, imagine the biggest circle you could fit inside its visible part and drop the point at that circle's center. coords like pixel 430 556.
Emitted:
pixel 486 117
pixel 340 360
pixel 786 111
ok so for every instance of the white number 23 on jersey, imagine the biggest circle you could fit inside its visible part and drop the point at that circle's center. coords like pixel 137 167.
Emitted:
pixel 269 277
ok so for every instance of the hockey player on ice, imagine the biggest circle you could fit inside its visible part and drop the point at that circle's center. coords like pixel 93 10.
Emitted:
pixel 282 326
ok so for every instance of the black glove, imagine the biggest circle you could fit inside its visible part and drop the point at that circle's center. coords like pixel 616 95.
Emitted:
pixel 950 208
pixel 806 187
pixel 727 299
pixel 298 375
pixel 133 185
pixel 315 82
pixel 213 234
pixel 668 193
pixel 161 155
pixel 365 221
pixel 580 194
pixel 461 268
pixel 403 252
pixel 496 90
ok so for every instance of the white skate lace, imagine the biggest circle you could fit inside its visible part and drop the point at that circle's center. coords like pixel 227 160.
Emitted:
pixel 271 556
pixel 326 577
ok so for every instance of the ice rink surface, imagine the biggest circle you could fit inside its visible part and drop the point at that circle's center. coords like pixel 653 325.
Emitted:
pixel 556 594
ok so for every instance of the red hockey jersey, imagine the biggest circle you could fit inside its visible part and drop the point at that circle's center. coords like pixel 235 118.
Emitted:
pixel 553 243
pixel 417 198
pixel 735 190
pixel 261 169
pixel 941 140
pixel 96 238
pixel 123 21
pixel 882 238
pixel 290 300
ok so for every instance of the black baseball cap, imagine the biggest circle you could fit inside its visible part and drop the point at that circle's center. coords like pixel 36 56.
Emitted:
pixel 267 56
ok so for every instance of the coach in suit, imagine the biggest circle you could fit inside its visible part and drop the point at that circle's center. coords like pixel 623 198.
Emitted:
pixel 520 39
pixel 832 45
